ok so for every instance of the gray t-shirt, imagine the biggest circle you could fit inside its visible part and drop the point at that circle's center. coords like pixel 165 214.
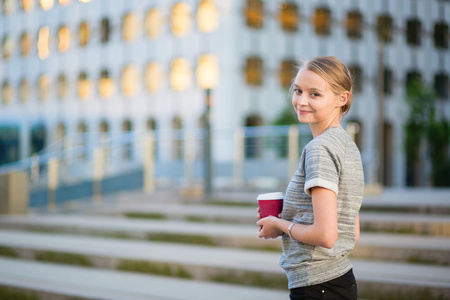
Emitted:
pixel 331 161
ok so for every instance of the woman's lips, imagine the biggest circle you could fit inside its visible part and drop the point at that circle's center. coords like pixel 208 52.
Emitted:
pixel 304 112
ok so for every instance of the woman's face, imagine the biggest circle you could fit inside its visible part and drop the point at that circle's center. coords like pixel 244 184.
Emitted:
pixel 313 99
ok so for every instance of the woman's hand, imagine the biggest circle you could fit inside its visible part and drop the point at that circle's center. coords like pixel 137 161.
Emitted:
pixel 269 227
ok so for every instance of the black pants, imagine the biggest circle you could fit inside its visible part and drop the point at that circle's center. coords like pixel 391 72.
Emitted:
pixel 341 288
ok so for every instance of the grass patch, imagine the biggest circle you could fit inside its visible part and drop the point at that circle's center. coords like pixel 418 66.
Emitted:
pixel 8 294
pixel 154 268
pixel 181 238
pixel 139 215
pixel 252 279
pixel 5 251
pixel 64 258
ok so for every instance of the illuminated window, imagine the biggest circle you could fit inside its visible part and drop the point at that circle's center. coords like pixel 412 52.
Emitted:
pixel 153 23
pixel 64 2
pixel 63 39
pixel 385 26
pixel 46 4
pixel 413 32
pixel 24 90
pixel 354 24
pixel 84 34
pixel 129 80
pixel 84 86
pixel 440 35
pixel 8 6
pixel 7 47
pixel 25 44
pixel 357 76
pixel 254 71
pixel 153 77
pixel 105 30
pixel 181 19
pixel 105 85
pixel 27 4
pixel 43 43
pixel 207 71
pixel 62 88
pixel 289 17
pixel 254 14
pixel 7 93
pixel 43 87
pixel 322 21
pixel 180 74
pixel 288 70
pixel 442 85
pixel 207 16
pixel 130 27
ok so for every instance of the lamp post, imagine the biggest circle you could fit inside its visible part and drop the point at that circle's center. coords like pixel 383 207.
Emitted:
pixel 207 79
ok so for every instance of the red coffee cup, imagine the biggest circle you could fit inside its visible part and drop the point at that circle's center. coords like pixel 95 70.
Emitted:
pixel 270 204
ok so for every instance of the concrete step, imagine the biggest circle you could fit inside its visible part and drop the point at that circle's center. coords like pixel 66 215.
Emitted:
pixel 376 280
pixel 57 282
pixel 390 247
pixel 422 224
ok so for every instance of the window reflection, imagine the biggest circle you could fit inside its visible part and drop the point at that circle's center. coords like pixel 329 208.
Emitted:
pixel 153 23
pixel 254 71
pixel 322 21
pixel 130 27
pixel 354 24
pixel 287 72
pixel 63 39
pixel 84 34
pixel 62 87
pixel 27 4
pixel 64 2
pixel 207 71
pixel 413 32
pixel 105 30
pixel 254 14
pixel 43 87
pixel 181 19
pixel 25 44
pixel 153 77
pixel 7 93
pixel 46 4
pixel 207 16
pixel 84 86
pixel 289 17
pixel 385 26
pixel 129 80
pixel 7 47
pixel 180 74
pixel 24 90
pixel 441 35
pixel 43 43
pixel 105 85
pixel 8 6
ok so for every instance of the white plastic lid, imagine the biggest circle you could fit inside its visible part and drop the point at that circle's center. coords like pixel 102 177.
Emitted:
pixel 270 196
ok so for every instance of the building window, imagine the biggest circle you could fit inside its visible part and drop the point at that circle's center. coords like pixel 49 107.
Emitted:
pixel 46 4
pixel 27 4
pixel 385 27
pixel 254 14
pixel 441 35
pixel 62 88
pixel 442 85
pixel 64 2
pixel 105 30
pixel 254 71
pixel 63 39
pixel 84 34
pixel 25 44
pixel 7 93
pixel 8 6
pixel 84 86
pixel 43 87
pixel 289 17
pixel 413 78
pixel 322 21
pixel 287 73
pixel 177 142
pixel 43 43
pixel 413 32
pixel 129 80
pixel 130 27
pixel 81 141
pixel 354 24
pixel 105 85
pixel 181 19
pixel 388 84
pixel 207 16
pixel 153 77
pixel 207 71
pixel 180 74
pixel 127 148
pixel 7 47
pixel 24 91
pixel 153 23
pixel 357 75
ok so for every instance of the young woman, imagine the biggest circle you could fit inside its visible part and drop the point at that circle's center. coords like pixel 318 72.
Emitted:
pixel 319 224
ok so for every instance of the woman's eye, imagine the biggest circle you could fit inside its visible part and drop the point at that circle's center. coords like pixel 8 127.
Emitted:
pixel 297 91
pixel 315 95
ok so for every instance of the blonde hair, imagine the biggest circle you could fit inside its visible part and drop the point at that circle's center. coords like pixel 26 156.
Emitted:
pixel 333 71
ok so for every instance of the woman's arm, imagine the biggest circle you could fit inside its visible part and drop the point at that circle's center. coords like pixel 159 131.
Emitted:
pixel 323 232
pixel 357 229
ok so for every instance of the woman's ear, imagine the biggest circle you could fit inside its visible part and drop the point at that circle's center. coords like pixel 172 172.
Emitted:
pixel 343 98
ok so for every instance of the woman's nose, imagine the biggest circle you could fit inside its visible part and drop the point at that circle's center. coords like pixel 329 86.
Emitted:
pixel 301 100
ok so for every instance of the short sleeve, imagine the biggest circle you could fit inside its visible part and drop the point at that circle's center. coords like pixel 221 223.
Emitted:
pixel 322 168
